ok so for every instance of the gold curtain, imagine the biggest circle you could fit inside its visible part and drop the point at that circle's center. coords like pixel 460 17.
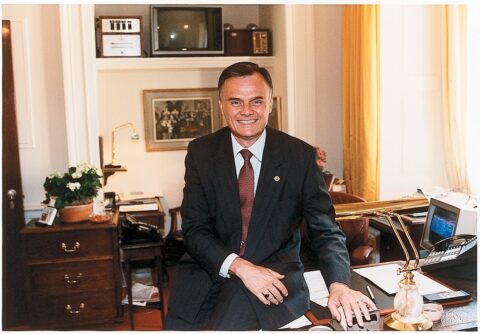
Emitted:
pixel 361 99
pixel 454 78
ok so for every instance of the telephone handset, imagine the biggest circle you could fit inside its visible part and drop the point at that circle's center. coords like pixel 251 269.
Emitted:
pixel 452 251
pixel 134 231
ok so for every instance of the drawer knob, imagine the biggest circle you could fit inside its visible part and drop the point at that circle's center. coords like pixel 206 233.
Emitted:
pixel 74 249
pixel 72 281
pixel 69 309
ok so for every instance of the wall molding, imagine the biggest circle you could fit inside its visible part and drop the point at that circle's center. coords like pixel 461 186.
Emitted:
pixel 23 79
pixel 79 83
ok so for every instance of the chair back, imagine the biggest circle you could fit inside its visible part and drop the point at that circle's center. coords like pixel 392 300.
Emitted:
pixel 356 230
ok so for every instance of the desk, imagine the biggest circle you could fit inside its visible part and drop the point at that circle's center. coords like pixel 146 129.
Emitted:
pixel 455 317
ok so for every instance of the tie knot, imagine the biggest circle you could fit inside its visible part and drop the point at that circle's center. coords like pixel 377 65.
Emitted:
pixel 246 154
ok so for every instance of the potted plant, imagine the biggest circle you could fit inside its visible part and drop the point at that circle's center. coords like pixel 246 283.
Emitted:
pixel 73 191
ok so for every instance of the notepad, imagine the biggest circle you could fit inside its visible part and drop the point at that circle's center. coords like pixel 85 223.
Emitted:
pixel 387 279
pixel 318 294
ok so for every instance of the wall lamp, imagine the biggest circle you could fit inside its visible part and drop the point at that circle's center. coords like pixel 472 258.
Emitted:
pixel 133 136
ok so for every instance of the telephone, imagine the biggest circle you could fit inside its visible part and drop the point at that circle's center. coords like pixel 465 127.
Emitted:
pixel 134 231
pixel 454 251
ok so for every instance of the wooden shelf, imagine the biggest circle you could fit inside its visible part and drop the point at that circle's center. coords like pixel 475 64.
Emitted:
pixel 108 171
pixel 169 63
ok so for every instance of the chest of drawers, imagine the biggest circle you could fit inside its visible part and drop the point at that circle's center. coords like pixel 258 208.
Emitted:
pixel 73 276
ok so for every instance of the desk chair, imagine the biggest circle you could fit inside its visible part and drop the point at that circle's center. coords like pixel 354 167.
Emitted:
pixel 329 180
pixel 356 230
pixel 174 246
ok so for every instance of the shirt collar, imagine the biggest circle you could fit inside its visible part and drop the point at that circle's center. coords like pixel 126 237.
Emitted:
pixel 256 148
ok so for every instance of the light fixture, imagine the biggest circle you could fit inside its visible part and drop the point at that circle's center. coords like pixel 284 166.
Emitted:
pixel 133 136
pixel 408 303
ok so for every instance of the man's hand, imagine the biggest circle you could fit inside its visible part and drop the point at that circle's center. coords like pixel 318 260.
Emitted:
pixel 262 282
pixel 352 301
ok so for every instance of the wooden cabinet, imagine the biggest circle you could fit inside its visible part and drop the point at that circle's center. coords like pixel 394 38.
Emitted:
pixel 72 274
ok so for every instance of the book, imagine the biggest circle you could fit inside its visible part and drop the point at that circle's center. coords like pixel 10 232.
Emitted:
pixel 144 204
pixel 414 218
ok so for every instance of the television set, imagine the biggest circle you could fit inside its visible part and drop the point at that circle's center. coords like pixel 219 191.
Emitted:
pixel 445 220
pixel 182 30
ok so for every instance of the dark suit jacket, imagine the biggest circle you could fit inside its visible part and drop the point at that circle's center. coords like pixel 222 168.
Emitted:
pixel 290 188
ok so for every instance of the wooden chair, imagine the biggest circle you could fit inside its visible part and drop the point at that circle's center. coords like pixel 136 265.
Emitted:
pixel 329 180
pixel 174 246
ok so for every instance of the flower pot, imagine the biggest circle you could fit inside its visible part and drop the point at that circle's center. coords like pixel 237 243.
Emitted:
pixel 76 213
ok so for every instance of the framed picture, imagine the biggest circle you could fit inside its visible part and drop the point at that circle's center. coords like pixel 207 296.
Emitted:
pixel 173 117
pixel 275 118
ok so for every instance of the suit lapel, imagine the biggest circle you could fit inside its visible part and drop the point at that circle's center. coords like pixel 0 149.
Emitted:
pixel 226 184
pixel 270 184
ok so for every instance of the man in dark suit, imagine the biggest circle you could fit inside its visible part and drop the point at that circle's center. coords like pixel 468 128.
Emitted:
pixel 241 213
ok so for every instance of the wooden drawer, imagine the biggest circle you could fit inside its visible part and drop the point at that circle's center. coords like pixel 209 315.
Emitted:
pixel 54 313
pixel 71 245
pixel 71 277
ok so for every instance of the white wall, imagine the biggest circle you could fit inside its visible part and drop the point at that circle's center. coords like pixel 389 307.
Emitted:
pixel 39 96
pixel 411 153
pixel 328 76
pixel 120 100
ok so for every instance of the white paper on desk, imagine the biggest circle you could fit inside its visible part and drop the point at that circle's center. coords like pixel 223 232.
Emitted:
pixel 387 279
pixel 297 323
pixel 317 287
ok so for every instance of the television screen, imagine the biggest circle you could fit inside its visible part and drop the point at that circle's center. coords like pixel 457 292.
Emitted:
pixel 186 30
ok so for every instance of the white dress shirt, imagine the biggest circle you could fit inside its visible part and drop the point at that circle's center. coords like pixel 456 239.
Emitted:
pixel 256 160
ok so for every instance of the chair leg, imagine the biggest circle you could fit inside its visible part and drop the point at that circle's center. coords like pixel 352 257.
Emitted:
pixel 128 273
pixel 165 276
pixel 159 270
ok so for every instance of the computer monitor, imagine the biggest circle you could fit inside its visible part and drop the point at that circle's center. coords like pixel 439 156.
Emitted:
pixel 445 220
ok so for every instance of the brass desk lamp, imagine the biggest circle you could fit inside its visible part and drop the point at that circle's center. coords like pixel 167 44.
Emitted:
pixel 408 302
pixel 134 136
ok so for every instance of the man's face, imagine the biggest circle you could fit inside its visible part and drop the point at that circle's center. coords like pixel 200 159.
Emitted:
pixel 246 103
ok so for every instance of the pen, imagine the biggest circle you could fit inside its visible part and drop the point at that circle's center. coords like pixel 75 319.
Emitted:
pixel 372 297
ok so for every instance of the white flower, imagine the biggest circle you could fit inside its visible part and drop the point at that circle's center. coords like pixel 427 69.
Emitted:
pixel 83 167
pixel 73 186
pixel 99 172
pixel 54 175
pixel 77 175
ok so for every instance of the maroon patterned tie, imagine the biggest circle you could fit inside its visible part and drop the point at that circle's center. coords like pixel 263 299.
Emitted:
pixel 245 186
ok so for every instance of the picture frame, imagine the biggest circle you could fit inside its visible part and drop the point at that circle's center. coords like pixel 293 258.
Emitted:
pixel 174 117
pixel 275 117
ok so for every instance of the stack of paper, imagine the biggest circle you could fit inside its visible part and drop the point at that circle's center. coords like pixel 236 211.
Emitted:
pixel 317 287
pixel 386 278
pixel 145 204
pixel 141 294
pixel 318 294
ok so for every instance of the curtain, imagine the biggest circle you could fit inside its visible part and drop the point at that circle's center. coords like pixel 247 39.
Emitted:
pixel 361 99
pixel 454 78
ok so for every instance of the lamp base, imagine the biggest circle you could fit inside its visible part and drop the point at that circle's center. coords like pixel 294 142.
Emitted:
pixel 392 322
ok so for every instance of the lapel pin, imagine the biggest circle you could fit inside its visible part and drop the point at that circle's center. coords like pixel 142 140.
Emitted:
pixel 277 178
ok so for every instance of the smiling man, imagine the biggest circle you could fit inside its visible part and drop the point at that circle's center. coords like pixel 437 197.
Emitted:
pixel 247 189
